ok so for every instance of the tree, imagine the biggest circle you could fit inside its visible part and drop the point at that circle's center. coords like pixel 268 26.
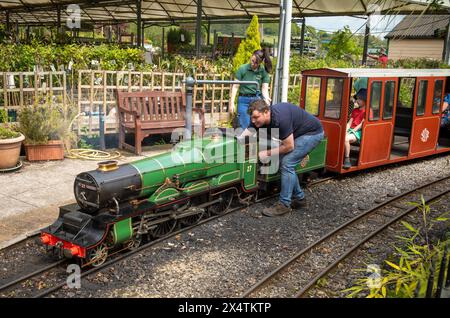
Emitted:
pixel 250 44
pixel 343 46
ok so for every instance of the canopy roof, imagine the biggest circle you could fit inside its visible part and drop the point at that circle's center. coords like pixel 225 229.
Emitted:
pixel 154 11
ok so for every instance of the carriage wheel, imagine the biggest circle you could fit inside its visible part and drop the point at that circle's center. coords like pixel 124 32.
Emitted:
pixel 222 206
pixel 98 255
pixel 163 228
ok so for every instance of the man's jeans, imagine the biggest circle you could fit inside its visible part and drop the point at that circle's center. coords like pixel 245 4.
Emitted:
pixel 243 115
pixel 290 186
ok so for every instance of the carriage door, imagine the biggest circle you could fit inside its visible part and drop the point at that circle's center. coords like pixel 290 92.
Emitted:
pixel 379 121
pixel 425 128
pixel 323 97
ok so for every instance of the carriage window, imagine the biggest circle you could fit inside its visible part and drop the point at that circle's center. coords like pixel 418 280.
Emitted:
pixel 437 96
pixel 389 94
pixel 313 95
pixel 422 98
pixel 375 101
pixel 406 92
pixel 334 98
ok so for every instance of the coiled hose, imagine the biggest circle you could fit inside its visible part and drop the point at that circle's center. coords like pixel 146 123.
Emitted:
pixel 88 154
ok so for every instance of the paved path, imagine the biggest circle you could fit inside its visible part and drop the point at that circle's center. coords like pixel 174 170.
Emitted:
pixel 30 197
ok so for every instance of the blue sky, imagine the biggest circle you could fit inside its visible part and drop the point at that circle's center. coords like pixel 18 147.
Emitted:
pixel 380 25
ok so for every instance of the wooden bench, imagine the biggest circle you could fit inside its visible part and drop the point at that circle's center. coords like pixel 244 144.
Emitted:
pixel 151 112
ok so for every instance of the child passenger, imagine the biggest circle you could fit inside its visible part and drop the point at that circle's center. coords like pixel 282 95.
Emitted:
pixel 354 125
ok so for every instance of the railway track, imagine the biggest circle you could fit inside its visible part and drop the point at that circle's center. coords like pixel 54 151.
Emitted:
pixel 57 273
pixel 318 259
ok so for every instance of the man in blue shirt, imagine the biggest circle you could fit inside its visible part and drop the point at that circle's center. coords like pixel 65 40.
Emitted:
pixel 299 132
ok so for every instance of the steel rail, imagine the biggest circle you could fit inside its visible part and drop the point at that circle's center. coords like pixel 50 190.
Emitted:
pixel 160 240
pixel 278 271
pixel 31 275
pixel 55 264
pixel 324 272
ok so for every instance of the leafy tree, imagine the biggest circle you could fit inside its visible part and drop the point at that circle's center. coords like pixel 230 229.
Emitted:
pixel 343 46
pixel 251 43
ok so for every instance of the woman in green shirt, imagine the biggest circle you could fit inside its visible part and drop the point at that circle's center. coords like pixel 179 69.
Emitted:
pixel 252 71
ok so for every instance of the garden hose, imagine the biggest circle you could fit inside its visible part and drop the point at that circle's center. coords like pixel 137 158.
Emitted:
pixel 89 154
pixel 92 154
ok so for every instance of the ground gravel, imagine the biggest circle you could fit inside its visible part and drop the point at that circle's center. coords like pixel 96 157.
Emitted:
pixel 225 257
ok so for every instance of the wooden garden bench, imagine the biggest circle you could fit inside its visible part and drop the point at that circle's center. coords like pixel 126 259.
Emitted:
pixel 151 112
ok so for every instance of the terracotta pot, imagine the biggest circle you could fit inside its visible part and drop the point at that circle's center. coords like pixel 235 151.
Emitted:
pixel 10 151
pixel 53 150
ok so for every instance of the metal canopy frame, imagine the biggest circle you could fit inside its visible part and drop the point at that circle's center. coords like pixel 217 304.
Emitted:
pixel 44 12
pixel 150 12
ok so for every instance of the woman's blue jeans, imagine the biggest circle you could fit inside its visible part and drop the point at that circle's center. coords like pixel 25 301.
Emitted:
pixel 243 103
pixel 290 186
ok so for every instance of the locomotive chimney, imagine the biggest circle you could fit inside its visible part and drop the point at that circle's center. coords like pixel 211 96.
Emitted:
pixel 109 165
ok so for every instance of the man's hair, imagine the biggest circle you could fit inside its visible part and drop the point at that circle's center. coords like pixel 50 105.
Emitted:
pixel 259 105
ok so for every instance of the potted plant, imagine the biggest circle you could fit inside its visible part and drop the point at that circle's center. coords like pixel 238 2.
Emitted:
pixel 10 143
pixel 177 37
pixel 45 126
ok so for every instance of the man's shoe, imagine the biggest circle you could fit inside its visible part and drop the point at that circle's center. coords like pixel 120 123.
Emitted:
pixel 347 163
pixel 278 209
pixel 298 204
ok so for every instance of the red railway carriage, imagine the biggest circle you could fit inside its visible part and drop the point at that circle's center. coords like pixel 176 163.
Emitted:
pixel 402 118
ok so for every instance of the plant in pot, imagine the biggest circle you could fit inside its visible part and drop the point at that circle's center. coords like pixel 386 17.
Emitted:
pixel 45 126
pixel 10 143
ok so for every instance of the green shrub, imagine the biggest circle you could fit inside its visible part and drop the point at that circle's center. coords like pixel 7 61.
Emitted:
pixel 174 36
pixel 8 133
pixel 417 63
pixel 406 275
pixel 250 44
pixel 46 120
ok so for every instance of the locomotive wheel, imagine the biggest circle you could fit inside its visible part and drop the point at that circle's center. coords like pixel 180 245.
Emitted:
pixel 135 242
pixel 195 218
pixel 163 228
pixel 98 255
pixel 222 206
pixel 192 219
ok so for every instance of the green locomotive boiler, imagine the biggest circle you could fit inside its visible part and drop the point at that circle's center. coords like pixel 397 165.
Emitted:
pixel 119 206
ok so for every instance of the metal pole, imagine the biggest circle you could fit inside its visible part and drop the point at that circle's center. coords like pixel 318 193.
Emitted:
pixel 190 82
pixel 208 37
pixel 17 37
pixel 276 87
pixel 366 41
pixel 101 119
pixel 198 29
pixel 286 50
pixel 447 46
pixel 440 282
pixel 138 22
pixel 214 45
pixel 162 43
pixel 302 39
pixel 8 25
pixel 58 20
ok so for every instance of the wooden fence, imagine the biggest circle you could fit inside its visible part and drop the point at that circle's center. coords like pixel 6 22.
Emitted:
pixel 96 91
pixel 18 89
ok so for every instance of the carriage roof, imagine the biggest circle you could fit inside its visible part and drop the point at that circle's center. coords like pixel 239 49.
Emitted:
pixel 382 72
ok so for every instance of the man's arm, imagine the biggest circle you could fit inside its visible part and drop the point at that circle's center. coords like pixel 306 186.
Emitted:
pixel 234 90
pixel 287 145
pixel 265 93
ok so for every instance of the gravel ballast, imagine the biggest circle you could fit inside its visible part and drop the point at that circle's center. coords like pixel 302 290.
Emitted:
pixel 225 257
